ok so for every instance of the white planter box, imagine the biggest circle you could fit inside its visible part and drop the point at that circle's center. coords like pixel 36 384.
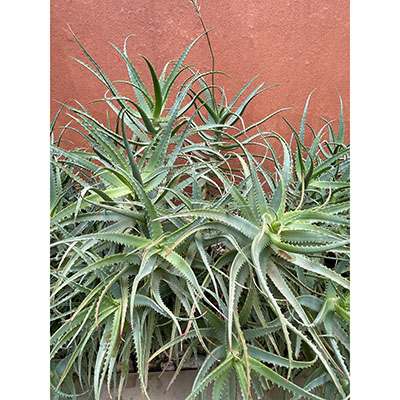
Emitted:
pixel 179 390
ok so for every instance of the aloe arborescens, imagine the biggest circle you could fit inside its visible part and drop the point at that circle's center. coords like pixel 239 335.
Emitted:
pixel 162 251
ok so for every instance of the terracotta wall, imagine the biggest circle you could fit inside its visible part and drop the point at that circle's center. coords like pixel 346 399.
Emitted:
pixel 301 44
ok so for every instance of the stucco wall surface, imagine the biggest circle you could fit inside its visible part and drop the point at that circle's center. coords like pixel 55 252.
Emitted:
pixel 301 45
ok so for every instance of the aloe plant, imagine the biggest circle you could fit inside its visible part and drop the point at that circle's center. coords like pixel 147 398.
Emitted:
pixel 163 252
pixel 324 172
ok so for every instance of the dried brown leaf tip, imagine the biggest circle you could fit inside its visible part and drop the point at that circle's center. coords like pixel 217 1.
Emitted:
pixel 285 255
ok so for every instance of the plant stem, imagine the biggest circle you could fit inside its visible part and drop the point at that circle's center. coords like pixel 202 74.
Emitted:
pixel 197 10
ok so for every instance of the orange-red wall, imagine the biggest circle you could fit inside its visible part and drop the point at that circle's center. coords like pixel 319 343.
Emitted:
pixel 300 44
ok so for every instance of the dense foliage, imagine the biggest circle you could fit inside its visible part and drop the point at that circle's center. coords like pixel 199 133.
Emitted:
pixel 172 241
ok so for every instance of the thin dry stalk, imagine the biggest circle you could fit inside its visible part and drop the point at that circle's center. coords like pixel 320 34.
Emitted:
pixel 197 10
